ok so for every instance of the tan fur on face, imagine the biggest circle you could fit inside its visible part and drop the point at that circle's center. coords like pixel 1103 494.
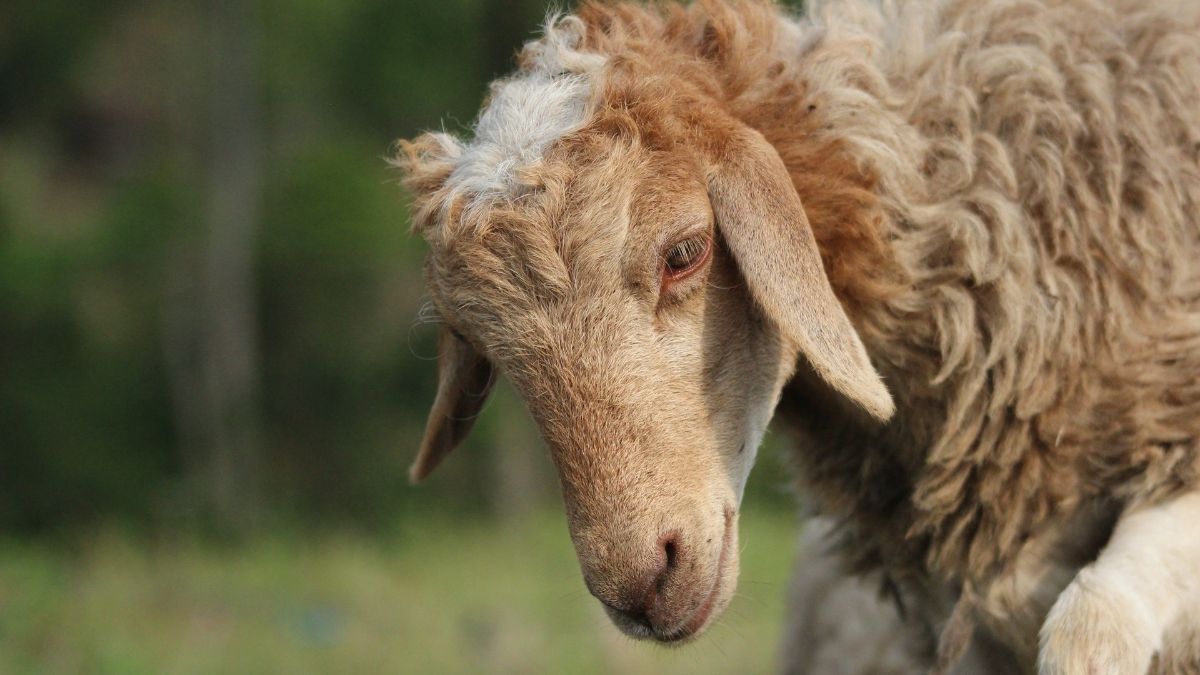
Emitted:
pixel 1004 195
pixel 641 397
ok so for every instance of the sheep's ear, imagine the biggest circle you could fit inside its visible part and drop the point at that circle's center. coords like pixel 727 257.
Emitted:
pixel 764 226
pixel 464 381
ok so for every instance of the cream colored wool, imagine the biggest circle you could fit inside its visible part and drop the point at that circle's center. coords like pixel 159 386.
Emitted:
pixel 1037 166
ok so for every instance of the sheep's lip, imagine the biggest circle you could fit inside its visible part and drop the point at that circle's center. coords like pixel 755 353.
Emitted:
pixel 690 627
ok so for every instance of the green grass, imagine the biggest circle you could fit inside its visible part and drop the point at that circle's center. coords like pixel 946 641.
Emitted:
pixel 444 598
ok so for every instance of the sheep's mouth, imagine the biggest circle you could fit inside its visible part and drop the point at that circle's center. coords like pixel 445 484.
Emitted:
pixel 691 626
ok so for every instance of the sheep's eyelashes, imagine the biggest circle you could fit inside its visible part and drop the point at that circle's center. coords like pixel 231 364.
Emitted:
pixel 684 257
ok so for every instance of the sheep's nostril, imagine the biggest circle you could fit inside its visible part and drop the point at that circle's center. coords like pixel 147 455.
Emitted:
pixel 669 554
pixel 670 547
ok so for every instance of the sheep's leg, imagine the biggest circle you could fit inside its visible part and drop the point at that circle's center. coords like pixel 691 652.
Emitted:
pixel 837 622
pixel 1112 618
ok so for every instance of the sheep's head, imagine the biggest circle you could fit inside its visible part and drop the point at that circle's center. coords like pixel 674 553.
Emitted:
pixel 638 264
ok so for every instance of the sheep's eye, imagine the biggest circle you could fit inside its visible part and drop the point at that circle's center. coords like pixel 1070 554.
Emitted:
pixel 685 256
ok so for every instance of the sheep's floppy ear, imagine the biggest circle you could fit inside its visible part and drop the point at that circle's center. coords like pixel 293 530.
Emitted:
pixel 464 381
pixel 764 226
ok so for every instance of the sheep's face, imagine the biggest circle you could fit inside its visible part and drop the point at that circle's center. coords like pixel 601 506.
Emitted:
pixel 646 277
pixel 611 303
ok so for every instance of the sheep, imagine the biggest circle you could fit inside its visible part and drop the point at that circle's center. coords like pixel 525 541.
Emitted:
pixel 953 247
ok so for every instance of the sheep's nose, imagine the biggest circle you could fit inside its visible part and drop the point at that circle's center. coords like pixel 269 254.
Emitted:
pixel 640 600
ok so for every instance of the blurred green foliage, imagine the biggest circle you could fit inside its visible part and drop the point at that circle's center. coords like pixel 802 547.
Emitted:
pixel 103 138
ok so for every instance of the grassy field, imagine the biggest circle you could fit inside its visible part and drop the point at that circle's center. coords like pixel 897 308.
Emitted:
pixel 448 598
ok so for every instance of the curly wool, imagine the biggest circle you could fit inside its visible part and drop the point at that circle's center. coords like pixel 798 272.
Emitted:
pixel 1037 166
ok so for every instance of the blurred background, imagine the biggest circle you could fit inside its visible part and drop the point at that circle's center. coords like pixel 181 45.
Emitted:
pixel 212 373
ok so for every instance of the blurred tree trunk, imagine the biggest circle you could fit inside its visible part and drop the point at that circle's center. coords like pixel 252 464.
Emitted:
pixel 227 303
pixel 211 313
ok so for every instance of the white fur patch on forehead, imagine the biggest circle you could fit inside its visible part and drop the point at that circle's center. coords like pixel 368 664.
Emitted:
pixel 546 100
